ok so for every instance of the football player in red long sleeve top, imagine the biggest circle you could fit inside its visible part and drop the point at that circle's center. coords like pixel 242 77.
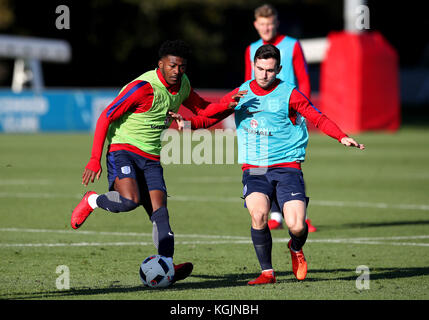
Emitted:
pixel 272 138
pixel 133 124
pixel 294 66
pixel 294 70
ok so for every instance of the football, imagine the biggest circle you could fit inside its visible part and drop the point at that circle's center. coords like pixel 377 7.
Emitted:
pixel 156 271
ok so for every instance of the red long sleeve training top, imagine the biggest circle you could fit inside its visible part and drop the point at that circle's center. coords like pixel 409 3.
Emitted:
pixel 298 103
pixel 139 98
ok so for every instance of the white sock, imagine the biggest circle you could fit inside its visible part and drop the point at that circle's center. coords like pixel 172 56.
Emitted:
pixel 92 201
pixel 277 216
pixel 268 270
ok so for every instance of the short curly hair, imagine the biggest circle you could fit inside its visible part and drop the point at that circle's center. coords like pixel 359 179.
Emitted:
pixel 178 48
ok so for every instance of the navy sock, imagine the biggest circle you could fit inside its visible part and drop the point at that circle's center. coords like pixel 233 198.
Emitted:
pixel 298 242
pixel 263 243
pixel 112 201
pixel 163 237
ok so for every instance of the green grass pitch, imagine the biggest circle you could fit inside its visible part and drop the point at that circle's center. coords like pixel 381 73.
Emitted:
pixel 371 209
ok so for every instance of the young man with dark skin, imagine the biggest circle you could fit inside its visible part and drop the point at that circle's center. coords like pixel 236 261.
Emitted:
pixel 133 124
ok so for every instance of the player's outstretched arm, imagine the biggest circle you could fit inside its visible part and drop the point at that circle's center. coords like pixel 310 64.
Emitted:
pixel 93 168
pixel 137 94
pixel 230 101
pixel 350 142
pixel 302 105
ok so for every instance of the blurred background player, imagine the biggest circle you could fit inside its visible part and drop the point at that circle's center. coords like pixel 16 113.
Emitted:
pixel 294 70
pixel 133 124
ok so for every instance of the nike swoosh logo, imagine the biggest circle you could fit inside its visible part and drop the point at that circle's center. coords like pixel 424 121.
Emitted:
pixel 253 112
pixel 295 194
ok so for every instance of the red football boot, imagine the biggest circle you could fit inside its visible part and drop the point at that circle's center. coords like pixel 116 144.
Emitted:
pixel 274 224
pixel 267 276
pixel 82 211
pixel 299 264
pixel 311 228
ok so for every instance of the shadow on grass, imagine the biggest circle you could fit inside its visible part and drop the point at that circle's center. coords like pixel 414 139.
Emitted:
pixel 375 274
pixel 374 224
pixel 231 280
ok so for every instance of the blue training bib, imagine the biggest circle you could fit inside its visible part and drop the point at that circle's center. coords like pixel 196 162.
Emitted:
pixel 265 134
pixel 286 47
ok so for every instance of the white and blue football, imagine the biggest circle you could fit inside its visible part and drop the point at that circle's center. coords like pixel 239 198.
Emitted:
pixel 156 271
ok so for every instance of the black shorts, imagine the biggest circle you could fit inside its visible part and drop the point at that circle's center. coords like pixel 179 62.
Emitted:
pixel 279 184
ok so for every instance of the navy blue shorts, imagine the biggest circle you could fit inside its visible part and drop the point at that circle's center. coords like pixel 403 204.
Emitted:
pixel 279 184
pixel 149 174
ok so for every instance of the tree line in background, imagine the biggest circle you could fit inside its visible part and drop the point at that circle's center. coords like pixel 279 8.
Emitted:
pixel 115 41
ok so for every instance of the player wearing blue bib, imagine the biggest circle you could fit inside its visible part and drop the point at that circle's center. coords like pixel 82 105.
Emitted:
pixel 294 70
pixel 265 137
pixel 272 138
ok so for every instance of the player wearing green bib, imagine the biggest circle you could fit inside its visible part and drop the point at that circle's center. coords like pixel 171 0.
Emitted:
pixel 133 124
pixel 143 129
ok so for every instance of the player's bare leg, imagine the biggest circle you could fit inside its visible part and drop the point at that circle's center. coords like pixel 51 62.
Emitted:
pixel 258 205
pixel 128 188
